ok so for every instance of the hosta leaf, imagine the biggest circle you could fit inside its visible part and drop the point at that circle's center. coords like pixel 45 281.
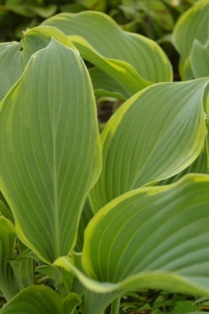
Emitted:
pixel 121 71
pixel 137 240
pixel 4 208
pixel 39 37
pixel 23 268
pixel 86 216
pixel 51 272
pixel 50 149
pixel 11 66
pixel 156 134
pixel 14 56
pixel 105 85
pixel 34 300
pixel 193 24
pixel 137 224
pixel 105 37
pixel 200 165
pixel 70 302
pixel 8 285
pixel 200 60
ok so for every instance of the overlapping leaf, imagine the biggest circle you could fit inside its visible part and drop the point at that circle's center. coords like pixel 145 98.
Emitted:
pixel 23 267
pixel 200 165
pixel 8 285
pixel 4 208
pixel 11 66
pixel 193 24
pixel 39 37
pixel 137 240
pixel 156 134
pixel 199 58
pixel 14 56
pixel 101 41
pixel 50 149
pixel 34 300
pixel 105 85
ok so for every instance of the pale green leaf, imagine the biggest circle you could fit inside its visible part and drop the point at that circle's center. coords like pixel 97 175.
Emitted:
pixel 86 216
pixel 23 268
pixel 4 208
pixel 110 41
pixel 137 240
pixel 156 134
pixel 119 70
pixel 34 300
pixel 70 302
pixel 8 285
pixel 11 66
pixel 199 57
pixel 51 272
pixel 39 37
pixel 200 165
pixel 50 149
pixel 148 229
pixel 105 85
pixel 14 56
pixel 193 24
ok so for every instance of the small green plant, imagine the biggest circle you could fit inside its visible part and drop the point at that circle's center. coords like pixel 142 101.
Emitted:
pixel 95 216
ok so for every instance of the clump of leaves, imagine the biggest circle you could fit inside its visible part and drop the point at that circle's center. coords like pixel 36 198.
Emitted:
pixel 96 215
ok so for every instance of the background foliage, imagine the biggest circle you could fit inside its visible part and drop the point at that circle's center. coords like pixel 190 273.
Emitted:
pixel 152 18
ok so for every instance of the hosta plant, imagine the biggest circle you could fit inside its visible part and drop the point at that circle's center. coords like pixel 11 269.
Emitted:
pixel 94 216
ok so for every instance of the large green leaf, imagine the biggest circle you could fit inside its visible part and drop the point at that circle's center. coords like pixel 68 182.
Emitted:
pixel 200 165
pixel 23 267
pixel 154 237
pixel 11 66
pixel 14 56
pixel 156 134
pixel 193 24
pixel 8 285
pixel 199 59
pixel 39 37
pixel 121 71
pixel 34 300
pixel 50 149
pixel 104 36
